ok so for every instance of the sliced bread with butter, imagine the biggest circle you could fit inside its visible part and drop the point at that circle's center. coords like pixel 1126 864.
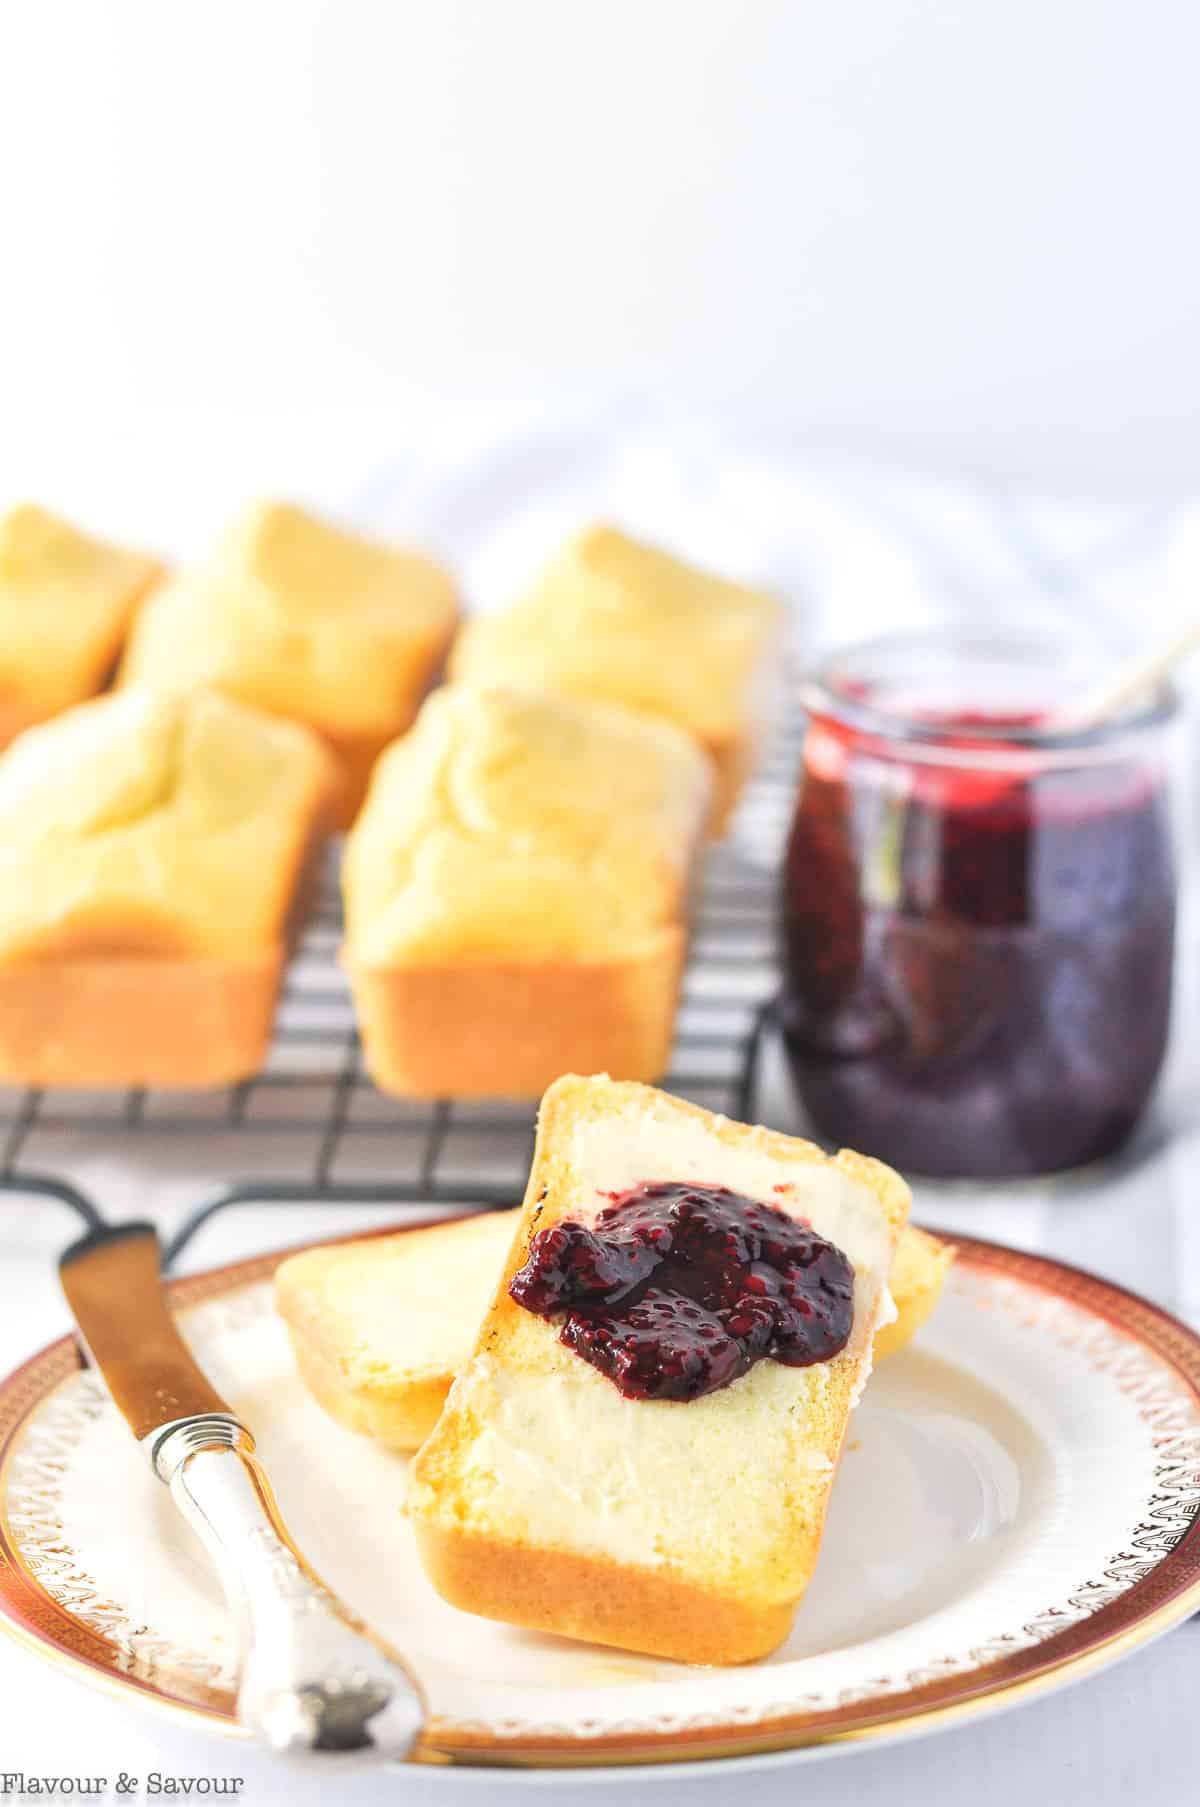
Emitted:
pixel 381 1325
pixel 685 1527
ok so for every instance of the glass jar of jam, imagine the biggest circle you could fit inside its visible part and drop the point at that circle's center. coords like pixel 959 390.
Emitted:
pixel 978 910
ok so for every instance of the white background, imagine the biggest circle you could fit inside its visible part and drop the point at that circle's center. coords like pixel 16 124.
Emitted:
pixel 260 245
pixel 950 230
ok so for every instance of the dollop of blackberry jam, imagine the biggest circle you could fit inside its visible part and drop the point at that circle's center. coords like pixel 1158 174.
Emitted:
pixel 673 1291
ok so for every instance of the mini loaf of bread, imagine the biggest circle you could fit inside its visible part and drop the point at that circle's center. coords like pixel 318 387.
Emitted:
pixel 614 619
pixel 515 892
pixel 294 616
pixel 547 1498
pixel 65 604
pixel 381 1326
pixel 151 848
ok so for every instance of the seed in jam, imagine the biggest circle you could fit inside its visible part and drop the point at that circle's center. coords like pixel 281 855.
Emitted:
pixel 673 1291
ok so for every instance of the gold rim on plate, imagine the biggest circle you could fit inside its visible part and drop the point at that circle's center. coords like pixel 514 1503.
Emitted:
pixel 1167 1593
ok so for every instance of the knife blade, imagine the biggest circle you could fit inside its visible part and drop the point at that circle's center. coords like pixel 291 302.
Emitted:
pixel 112 1282
pixel 314 1678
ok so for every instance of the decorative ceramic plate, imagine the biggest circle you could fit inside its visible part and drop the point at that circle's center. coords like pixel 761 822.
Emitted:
pixel 1019 1503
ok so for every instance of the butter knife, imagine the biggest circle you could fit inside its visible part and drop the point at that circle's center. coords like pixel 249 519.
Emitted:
pixel 313 1677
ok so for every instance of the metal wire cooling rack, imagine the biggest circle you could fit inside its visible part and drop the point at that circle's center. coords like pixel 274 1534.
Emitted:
pixel 312 1129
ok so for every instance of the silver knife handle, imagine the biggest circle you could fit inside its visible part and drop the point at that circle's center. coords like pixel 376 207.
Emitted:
pixel 312 1677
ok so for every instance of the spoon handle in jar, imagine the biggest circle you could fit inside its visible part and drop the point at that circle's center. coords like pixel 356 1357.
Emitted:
pixel 1142 672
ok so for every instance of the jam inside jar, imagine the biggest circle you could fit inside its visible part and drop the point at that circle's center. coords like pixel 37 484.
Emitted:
pixel 978 910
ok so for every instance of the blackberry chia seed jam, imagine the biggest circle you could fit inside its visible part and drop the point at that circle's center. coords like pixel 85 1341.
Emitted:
pixel 977 913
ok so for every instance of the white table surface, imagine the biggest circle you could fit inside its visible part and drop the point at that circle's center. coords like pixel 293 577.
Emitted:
pixel 860 550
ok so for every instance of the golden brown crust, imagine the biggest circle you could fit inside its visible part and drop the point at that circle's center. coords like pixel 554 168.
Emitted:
pixel 508 1029
pixel 111 1021
pixel 594 1598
